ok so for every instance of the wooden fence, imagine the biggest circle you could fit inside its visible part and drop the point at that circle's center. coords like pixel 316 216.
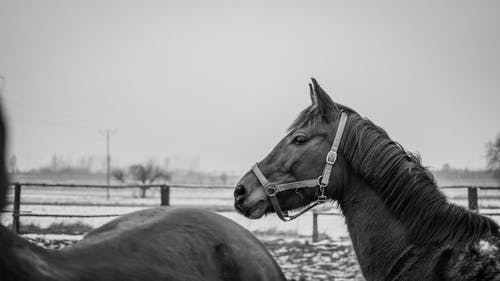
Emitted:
pixel 472 198
pixel 164 197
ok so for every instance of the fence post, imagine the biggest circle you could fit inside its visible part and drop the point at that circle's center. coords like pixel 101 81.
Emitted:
pixel 315 227
pixel 165 195
pixel 472 196
pixel 17 207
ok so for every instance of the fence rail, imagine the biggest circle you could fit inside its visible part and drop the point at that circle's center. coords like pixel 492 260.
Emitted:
pixel 164 197
pixel 174 185
pixel 472 198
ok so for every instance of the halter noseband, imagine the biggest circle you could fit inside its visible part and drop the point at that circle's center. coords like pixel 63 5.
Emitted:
pixel 272 189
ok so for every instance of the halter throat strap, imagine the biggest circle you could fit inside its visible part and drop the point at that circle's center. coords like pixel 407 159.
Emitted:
pixel 322 181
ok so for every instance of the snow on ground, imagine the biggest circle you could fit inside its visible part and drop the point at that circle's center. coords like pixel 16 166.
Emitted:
pixel 331 259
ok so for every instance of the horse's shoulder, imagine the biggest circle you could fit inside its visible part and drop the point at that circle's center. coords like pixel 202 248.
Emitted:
pixel 474 261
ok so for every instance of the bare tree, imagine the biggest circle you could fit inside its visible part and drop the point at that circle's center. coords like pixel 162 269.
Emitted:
pixel 142 173
pixel 493 156
pixel 118 175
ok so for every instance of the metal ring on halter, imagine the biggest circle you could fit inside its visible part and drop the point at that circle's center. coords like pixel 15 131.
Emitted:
pixel 321 197
pixel 271 190
pixel 320 179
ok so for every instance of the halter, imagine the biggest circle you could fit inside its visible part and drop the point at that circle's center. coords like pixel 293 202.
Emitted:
pixel 272 189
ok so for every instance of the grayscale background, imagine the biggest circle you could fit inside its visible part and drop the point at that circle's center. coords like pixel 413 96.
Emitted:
pixel 203 89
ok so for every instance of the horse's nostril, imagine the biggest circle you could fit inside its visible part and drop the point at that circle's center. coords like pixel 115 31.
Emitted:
pixel 239 190
pixel 239 193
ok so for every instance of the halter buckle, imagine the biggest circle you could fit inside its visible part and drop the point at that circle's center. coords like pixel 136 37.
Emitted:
pixel 331 157
pixel 321 199
pixel 271 190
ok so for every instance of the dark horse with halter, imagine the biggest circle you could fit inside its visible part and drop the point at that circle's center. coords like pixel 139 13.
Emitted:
pixel 170 244
pixel 401 225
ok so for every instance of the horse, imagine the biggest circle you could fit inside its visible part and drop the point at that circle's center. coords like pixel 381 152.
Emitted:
pixel 401 225
pixel 163 243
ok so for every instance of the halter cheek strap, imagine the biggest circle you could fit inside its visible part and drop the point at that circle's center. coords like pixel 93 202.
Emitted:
pixel 331 157
pixel 272 189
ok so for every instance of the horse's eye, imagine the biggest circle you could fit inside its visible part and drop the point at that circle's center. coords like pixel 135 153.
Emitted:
pixel 300 139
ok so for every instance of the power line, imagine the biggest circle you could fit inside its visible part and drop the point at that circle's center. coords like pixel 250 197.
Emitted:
pixel 18 91
pixel 35 111
pixel 21 107
pixel 18 114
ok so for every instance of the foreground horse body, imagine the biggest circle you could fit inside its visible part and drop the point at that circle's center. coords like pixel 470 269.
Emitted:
pixel 400 224
pixel 153 244
pixel 168 244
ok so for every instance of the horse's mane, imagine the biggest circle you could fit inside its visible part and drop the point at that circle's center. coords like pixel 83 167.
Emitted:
pixel 407 188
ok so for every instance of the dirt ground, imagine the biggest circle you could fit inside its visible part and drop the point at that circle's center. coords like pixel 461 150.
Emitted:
pixel 300 260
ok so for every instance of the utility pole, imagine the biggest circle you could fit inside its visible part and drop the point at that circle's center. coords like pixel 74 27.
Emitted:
pixel 2 85
pixel 108 133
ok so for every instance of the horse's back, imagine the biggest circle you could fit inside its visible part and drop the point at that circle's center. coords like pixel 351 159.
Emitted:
pixel 181 244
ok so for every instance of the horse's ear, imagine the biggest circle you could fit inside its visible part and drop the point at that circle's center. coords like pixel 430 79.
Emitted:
pixel 321 99
pixel 314 98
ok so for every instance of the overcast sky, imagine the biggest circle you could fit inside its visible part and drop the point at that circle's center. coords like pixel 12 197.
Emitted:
pixel 220 81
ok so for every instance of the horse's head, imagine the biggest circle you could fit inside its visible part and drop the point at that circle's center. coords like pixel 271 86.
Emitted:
pixel 295 166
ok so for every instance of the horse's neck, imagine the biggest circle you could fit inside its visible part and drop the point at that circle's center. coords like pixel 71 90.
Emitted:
pixel 22 260
pixel 378 238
